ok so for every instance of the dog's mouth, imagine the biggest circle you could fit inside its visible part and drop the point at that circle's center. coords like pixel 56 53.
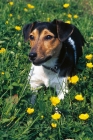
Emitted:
pixel 38 62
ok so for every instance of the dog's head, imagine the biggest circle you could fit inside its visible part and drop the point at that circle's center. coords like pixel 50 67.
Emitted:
pixel 46 39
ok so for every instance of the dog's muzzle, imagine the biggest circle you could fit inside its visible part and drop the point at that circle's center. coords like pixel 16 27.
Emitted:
pixel 37 61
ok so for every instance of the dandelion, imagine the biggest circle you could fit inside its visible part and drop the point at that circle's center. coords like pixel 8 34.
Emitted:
pixel 55 100
pixel 83 116
pixel 6 22
pixel 10 15
pixel 75 16
pixel 25 9
pixel 2 73
pixel 30 6
pixel 69 16
pixel 56 116
pixel 30 110
pixel 66 5
pixel 48 19
pixel 89 65
pixel 68 22
pixel 73 79
pixel 54 125
pixel 11 3
pixel 42 116
pixel 89 57
pixel 18 28
pixel 2 50
pixel 79 97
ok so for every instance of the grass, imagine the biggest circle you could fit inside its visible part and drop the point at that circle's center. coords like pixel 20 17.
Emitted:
pixel 15 93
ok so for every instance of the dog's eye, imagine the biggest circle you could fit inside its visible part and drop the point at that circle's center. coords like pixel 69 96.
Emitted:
pixel 48 37
pixel 31 37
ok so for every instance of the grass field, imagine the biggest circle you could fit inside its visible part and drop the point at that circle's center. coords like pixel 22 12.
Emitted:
pixel 19 119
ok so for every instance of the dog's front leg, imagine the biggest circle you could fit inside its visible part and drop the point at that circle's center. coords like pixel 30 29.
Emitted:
pixel 62 88
pixel 60 84
pixel 61 93
pixel 35 83
pixel 35 86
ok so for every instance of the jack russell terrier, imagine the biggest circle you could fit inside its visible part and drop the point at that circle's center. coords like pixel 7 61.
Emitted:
pixel 55 49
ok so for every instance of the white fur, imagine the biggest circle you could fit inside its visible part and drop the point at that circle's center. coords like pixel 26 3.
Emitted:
pixel 39 76
pixel 71 41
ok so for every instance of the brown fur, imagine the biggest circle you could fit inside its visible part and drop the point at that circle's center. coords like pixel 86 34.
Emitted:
pixel 44 47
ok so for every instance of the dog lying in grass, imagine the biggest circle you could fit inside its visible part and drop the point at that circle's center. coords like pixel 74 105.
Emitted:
pixel 55 49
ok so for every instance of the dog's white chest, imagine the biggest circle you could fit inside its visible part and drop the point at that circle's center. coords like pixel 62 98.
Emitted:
pixel 40 76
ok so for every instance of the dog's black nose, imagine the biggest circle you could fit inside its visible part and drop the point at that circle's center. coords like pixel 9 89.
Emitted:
pixel 32 56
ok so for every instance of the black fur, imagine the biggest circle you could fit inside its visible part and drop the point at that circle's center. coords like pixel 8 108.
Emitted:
pixel 67 66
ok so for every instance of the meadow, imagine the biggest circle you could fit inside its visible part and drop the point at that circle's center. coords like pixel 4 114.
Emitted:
pixel 19 119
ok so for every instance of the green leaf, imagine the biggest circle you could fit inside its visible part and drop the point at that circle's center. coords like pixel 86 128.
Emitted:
pixel 15 84
pixel 7 74
pixel 5 120
pixel 1 42
pixel 10 87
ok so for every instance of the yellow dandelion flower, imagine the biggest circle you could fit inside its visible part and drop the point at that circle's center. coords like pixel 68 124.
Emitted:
pixel 54 125
pixel 56 116
pixel 79 97
pixel 30 6
pixel 73 79
pixel 25 9
pixel 75 16
pixel 89 57
pixel 55 100
pixel 48 19
pixel 6 22
pixel 2 50
pixel 42 116
pixel 66 5
pixel 68 21
pixel 89 65
pixel 30 110
pixel 10 15
pixel 18 28
pixel 83 116
pixel 11 3
pixel 69 16
pixel 2 73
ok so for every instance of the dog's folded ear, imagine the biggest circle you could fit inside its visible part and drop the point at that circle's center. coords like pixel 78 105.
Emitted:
pixel 27 30
pixel 64 30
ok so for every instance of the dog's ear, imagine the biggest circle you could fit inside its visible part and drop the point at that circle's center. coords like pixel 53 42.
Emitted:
pixel 27 30
pixel 64 30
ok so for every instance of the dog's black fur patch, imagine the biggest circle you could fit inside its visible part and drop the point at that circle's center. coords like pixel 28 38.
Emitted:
pixel 66 60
